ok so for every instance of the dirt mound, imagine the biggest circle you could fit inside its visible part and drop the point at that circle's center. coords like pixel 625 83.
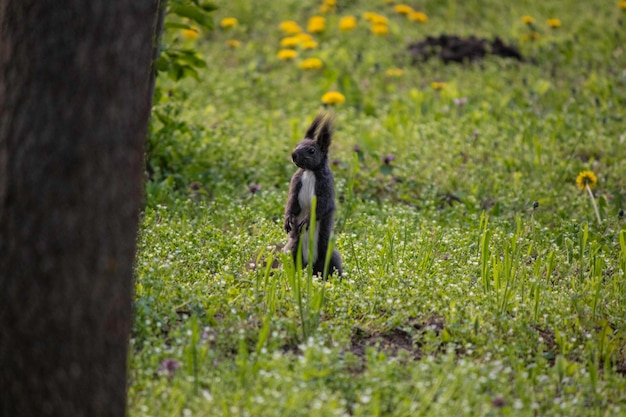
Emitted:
pixel 391 342
pixel 453 48
pixel 407 338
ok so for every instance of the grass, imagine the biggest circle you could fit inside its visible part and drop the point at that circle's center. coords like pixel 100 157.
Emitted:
pixel 478 279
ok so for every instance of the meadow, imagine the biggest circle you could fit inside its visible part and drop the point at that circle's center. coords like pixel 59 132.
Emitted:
pixel 481 278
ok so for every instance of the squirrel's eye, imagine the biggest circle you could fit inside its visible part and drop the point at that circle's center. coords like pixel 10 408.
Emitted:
pixel 311 151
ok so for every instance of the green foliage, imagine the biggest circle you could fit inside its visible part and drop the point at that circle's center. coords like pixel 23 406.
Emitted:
pixel 184 21
pixel 478 280
pixel 177 59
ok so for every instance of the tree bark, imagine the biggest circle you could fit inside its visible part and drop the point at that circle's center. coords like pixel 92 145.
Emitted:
pixel 74 107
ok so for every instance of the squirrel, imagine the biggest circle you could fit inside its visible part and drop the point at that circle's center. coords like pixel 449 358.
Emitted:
pixel 313 178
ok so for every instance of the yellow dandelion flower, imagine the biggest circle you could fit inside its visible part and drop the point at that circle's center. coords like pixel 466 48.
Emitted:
pixel 286 54
pixel 310 44
pixel 528 20
pixel 379 19
pixel 586 178
pixel 379 29
pixel 290 42
pixel 622 5
pixel 437 85
pixel 369 16
pixel 311 63
pixel 332 98
pixel 316 24
pixel 394 72
pixel 191 33
pixel 228 22
pixel 403 9
pixel 328 6
pixel 347 23
pixel 553 23
pixel 304 37
pixel 290 27
pixel 418 17
pixel 233 43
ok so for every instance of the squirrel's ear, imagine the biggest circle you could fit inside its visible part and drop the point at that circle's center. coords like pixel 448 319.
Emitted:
pixel 325 133
pixel 310 132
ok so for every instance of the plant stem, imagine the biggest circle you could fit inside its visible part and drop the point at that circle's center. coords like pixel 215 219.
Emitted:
pixel 593 202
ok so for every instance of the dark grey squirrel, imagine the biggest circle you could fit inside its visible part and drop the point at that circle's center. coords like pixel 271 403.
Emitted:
pixel 313 177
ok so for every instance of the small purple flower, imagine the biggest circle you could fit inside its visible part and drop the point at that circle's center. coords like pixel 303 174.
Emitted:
pixel 357 148
pixel 459 102
pixel 387 159
pixel 254 188
pixel 169 367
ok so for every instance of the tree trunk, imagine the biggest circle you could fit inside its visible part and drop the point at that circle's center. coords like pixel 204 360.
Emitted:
pixel 74 107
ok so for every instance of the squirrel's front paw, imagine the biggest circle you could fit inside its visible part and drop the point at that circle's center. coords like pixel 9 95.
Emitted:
pixel 289 221
pixel 303 224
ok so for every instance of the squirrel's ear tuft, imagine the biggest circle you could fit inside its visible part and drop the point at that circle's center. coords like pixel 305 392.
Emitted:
pixel 312 130
pixel 325 132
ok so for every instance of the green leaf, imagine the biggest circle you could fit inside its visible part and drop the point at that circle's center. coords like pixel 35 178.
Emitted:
pixel 194 13
pixel 176 25
pixel 190 57
pixel 191 72
pixel 386 169
pixel 163 64
pixel 208 6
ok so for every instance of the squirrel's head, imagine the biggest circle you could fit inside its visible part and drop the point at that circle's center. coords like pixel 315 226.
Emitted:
pixel 312 152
